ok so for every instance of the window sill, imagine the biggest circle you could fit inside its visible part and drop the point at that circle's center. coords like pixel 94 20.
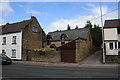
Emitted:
pixel 14 43
pixel 34 32
pixel 13 57
pixel 3 44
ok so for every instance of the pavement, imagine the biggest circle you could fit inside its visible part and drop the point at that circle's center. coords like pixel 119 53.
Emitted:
pixel 93 61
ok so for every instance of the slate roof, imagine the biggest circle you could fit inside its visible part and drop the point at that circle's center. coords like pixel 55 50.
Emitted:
pixel 115 23
pixel 71 34
pixel 15 27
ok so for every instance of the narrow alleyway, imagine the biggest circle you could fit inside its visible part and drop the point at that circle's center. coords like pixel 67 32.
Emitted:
pixel 95 58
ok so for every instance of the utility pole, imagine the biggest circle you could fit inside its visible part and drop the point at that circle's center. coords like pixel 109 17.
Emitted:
pixel 102 31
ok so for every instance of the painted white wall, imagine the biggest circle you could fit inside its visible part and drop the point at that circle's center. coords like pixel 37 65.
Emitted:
pixel 109 51
pixel 110 34
pixel 9 46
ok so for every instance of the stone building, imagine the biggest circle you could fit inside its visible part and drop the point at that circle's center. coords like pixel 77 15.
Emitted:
pixel 74 44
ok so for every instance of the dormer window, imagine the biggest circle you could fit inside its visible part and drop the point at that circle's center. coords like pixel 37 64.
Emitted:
pixel 62 38
pixel 35 29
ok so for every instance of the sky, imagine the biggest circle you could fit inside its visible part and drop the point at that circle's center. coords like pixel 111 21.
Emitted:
pixel 54 16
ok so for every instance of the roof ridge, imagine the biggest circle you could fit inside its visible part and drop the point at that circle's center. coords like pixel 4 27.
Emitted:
pixel 67 30
pixel 17 22
pixel 112 20
pixel 14 27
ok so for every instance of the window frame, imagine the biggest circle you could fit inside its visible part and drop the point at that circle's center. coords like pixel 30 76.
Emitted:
pixel 111 46
pixel 115 45
pixel 13 53
pixel 34 29
pixel 14 37
pixel 4 41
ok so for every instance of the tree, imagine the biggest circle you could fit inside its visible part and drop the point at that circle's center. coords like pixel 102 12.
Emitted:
pixel 96 33
pixel 76 27
pixel 95 26
pixel 96 36
pixel 88 25
pixel 68 27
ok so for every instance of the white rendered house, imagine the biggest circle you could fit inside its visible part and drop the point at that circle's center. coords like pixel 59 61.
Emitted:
pixel 112 37
pixel 12 44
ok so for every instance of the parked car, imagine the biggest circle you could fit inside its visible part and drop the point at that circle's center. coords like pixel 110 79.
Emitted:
pixel 5 59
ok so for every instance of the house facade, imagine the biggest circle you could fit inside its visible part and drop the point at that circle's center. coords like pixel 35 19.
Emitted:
pixel 111 39
pixel 19 38
pixel 74 44
pixel 12 43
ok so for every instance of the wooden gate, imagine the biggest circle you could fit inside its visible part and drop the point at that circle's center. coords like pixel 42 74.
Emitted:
pixel 68 52
pixel 28 57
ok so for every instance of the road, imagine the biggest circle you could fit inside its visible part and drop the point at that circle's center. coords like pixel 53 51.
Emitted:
pixel 19 70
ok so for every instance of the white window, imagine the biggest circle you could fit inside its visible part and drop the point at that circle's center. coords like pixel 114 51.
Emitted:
pixel 34 29
pixel 13 53
pixel 14 40
pixel 4 40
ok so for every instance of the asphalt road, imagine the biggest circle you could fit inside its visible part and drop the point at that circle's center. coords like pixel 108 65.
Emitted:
pixel 19 70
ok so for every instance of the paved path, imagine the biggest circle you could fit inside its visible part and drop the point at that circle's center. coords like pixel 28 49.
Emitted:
pixel 95 58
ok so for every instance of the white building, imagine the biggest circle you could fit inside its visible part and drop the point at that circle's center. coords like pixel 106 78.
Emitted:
pixel 12 44
pixel 112 37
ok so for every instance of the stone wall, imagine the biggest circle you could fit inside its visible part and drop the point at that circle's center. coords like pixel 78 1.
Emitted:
pixel 112 59
pixel 83 49
pixel 57 43
pixel 45 56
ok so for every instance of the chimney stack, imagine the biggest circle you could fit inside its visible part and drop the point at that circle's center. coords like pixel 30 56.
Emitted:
pixel 32 17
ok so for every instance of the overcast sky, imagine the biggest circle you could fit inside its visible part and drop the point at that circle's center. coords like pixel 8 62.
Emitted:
pixel 54 16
